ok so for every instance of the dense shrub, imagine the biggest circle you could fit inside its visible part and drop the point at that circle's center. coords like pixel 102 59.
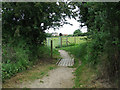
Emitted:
pixel 23 32
pixel 19 58
pixel 102 21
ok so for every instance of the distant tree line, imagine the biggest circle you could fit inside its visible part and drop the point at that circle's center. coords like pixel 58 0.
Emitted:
pixel 79 33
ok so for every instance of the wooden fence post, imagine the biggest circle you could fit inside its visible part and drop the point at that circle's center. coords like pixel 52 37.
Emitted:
pixel 60 41
pixel 67 41
pixel 51 49
pixel 74 39
pixel 47 41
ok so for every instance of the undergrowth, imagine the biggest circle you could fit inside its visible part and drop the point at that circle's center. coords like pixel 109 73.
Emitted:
pixel 19 58
pixel 86 72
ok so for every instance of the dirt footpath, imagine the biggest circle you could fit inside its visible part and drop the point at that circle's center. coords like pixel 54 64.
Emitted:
pixel 61 77
pixel 64 54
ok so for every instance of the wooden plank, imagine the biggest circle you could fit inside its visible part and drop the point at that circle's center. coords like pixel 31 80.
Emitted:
pixel 51 49
pixel 58 61
pixel 66 62
pixel 63 62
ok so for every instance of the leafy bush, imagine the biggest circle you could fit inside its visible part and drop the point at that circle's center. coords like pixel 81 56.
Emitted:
pixel 15 59
pixel 44 52
pixel 19 58
pixel 102 21
pixel 23 32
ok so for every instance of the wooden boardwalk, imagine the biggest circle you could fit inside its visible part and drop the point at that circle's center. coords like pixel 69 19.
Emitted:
pixel 66 62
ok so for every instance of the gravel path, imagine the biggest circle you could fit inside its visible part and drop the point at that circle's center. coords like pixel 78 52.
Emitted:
pixel 61 77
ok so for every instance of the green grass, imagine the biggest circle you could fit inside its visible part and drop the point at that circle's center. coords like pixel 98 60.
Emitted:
pixel 71 40
pixel 84 73
pixel 22 64
pixel 51 68
pixel 78 51
pixel 56 54
pixel 84 76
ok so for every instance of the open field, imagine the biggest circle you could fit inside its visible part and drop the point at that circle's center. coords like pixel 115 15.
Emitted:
pixel 64 41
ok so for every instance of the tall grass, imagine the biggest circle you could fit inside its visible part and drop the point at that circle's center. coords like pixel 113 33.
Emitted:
pixel 19 58
pixel 84 73
pixel 88 67
pixel 79 51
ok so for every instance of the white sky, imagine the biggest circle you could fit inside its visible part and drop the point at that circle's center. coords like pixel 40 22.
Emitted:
pixel 68 29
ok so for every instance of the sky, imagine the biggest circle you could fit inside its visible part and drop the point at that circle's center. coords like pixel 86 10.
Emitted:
pixel 68 29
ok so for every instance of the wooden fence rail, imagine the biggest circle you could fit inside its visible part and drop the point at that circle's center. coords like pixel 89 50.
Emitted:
pixel 63 41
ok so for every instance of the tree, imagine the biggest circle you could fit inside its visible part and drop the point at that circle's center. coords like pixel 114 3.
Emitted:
pixel 103 22
pixel 23 31
pixel 48 34
pixel 77 32
pixel 29 20
pixel 60 34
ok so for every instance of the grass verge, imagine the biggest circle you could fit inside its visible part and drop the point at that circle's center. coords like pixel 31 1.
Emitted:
pixel 86 76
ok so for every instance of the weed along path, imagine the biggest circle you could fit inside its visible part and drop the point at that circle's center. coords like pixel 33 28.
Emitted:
pixel 59 77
